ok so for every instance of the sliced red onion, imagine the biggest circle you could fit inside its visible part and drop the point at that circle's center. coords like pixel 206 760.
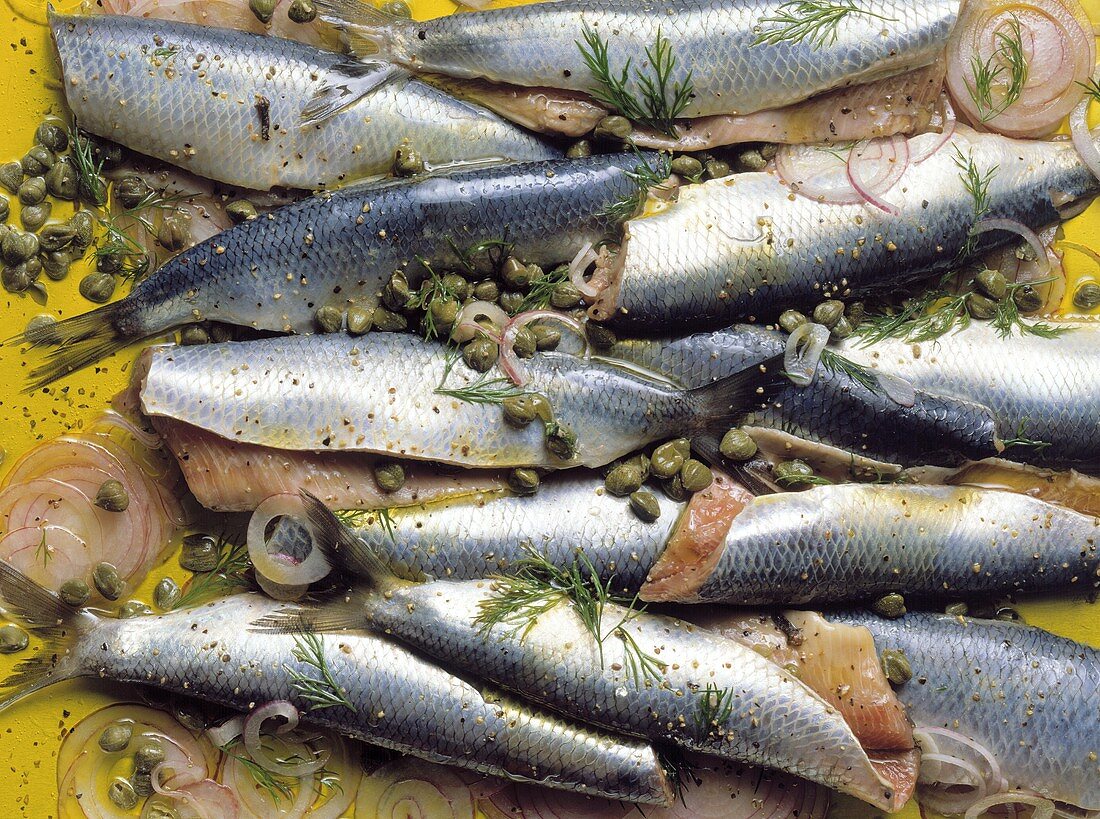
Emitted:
pixel 875 166
pixel 585 256
pixel 509 361
pixel 1028 235
pixel 800 363
pixel 250 735
pixel 954 750
pixel 222 735
pixel 1082 136
pixel 466 326
pixel 282 569
pixel 817 172
pixel 1044 808
pixel 930 147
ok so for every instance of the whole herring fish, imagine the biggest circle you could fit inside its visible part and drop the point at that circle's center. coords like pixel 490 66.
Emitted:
pixel 337 249
pixel 397 394
pixel 745 246
pixel 634 672
pixel 733 57
pixel 1026 696
pixel 226 105
pixel 382 693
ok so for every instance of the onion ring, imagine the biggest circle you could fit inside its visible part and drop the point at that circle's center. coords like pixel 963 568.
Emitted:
pixel 875 166
pixel 466 326
pixel 1044 808
pixel 509 361
pixel 1082 136
pixel 282 569
pixel 801 365
pixel 1022 230
pixel 585 256
pixel 250 736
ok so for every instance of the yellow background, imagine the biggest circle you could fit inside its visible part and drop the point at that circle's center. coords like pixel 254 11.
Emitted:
pixel 30 731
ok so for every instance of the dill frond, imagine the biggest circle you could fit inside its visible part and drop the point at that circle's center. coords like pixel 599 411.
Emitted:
pixel 319 692
pixel 1005 67
pixel 230 572
pixel 812 21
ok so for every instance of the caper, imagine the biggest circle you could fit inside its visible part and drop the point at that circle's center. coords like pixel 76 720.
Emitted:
pixel 194 334
pixel 263 9
pixel 397 8
pixel 890 605
pixel 389 475
pixel 328 319
pixel 599 336
pixel 695 475
pixel 133 608
pixel 395 294
pixel 614 127
pixel 480 354
pixel 387 321
pixel 121 793
pixel 674 488
pixel 525 343
pixel 131 191
pixel 221 332
pixel 240 210
pixel 687 166
pixel 716 169
pixel 829 313
pixel 1087 296
pixel 33 267
pixel 855 313
pixel 166 594
pixel 148 755
pixel 5 208
pixel 83 225
pixel 15 279
pixel 407 162
pixel 792 473
pixel 51 133
pixel 38 324
pixel 991 283
pixel 97 287
pixel 842 329
pixel 37 161
pixel 56 237
pixel 444 312
pixel 645 506
pixel 546 338
pixel 112 496
pixel 521 410
pixel 159 810
pixel 624 479
pixel 32 217
pixel 511 302
pixel 516 274
pixel 33 191
pixel 115 737
pixel 752 160
pixel 681 445
pixel 200 553
pixel 62 180
pixel 737 445
pixel 142 782
pixel 565 295
pixel 895 665
pixel 957 609
pixel 1008 614
pixel 980 307
pixel 791 320
pixel 191 717
pixel 486 291
pixel 109 260
pixel 579 149
pixel 92 189
pixel 11 176
pixel 1027 298
pixel 456 285
pixel 12 639
pixel 106 579
pixel 523 481
pixel 667 460
pixel 560 441
pixel 75 592
pixel 174 232
pixel 359 319
pixel 302 11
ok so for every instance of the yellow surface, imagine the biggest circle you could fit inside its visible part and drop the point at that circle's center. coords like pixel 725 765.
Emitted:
pixel 29 732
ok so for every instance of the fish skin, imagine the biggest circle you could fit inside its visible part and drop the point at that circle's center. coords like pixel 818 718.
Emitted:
pixel 378 394
pixel 401 701
pixel 1035 387
pixel 711 40
pixel 1027 695
pixel 162 106
pixel 850 541
pixel 745 246
pixel 835 410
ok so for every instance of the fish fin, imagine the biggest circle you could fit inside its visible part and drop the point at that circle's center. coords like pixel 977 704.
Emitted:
pixel 343 550
pixel 49 618
pixel 731 397
pixel 754 475
pixel 342 614
pixel 363 26
pixel 77 342
pixel 345 84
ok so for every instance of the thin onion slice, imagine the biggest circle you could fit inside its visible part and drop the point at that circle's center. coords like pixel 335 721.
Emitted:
pixel 817 172
pixel 875 166
pixel 800 364
pixel 585 256
pixel 281 569
pixel 509 361
pixel 222 735
pixel 412 789
pixel 250 735
pixel 1044 808
pixel 929 146
pixel 1022 230
pixel 1082 136
pixel 466 326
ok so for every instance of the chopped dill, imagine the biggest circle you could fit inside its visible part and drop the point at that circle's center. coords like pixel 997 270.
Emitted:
pixel 813 21
pixel 357 518
pixel 1020 441
pixel 835 363
pixel 230 572
pixel 713 707
pixel 319 692
pixel 645 177
pixel 1008 56
pixel 87 169
pixel 659 104
pixel 542 288
pixel 484 390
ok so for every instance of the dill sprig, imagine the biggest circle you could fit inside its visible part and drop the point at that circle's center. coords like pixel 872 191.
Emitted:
pixel 358 518
pixel 117 242
pixel 659 103
pixel 645 176
pixel 1008 56
pixel 319 692
pixel 713 707
pixel 1092 88
pixel 277 786
pixel 89 172
pixel 230 572
pixel 812 21
pixel 787 481
pixel 496 252
pixel 538 297
pixel 537 586
pixel 484 390
pixel 42 552
pixel 1020 440
pixel 432 291
pixel 835 363
pixel 977 185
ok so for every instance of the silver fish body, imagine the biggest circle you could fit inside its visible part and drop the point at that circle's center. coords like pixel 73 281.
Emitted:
pixel 715 43
pixel 745 246
pixel 1028 696
pixel 1039 389
pixel 226 105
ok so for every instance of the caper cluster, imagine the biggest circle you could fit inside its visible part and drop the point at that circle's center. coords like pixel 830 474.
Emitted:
pixel 669 466
pixel 145 752
pixel 300 11
pixel 524 409
pixel 840 320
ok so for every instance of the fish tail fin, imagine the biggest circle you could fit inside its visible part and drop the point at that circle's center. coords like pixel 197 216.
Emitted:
pixel 345 84
pixel 76 342
pixel 731 397
pixel 47 617
pixel 367 30
pixel 754 475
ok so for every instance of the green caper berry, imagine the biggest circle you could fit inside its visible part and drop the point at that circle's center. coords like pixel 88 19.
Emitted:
pixel 674 488
pixel 62 180
pixel 599 336
pixel 133 608
pixel 957 609
pixel 525 343
pixel 991 283
pixel 92 189
pixel 980 307
pixel 444 312
pixel 397 8
pixel 579 150
pixel 642 461
pixel 895 665
pixel 666 461
pixel 407 162
pixel 486 291
pixel 457 286
pixel 516 274
pixel 359 319
pixel 142 783
pixel 13 639
pixel 5 208
pixel 17 247
pixel 842 329
pixel 523 481
pixel 37 161
pixel 75 592
pixel 121 793
pixel 241 210
pixel 695 475
pixel 263 9
pixel 480 354
pixel 174 232
pixel 792 473
pixel 891 606
pixel 11 176
pixel 200 553
pixel 521 410
pixel 855 313
pixel 511 302
pixel 687 166
pixel 221 333
pixel 159 810
pixel 389 475
pixel 396 293
pixel 328 319
pixel 565 295
pixel 56 237
pixel 1027 298
pixel 387 321
pixel 560 441
pixel 131 191
pixel 829 313
pixel 166 594
pixel 614 127
pixel 1087 296
pixel 109 261
pixel 148 755
pixel 116 737
pixel 112 496
pixel 752 160
pixel 546 338
pixel 32 217
pixel 624 479
pixel 194 334
pixel 83 225
pixel 716 169
pixel 645 506
pixel 38 324
pixel 1008 614
pixel 51 134
pixel 681 445
pixel 191 717
pixel 302 11
pixel 106 579
pixel 33 267
pixel 15 279
pixel 791 320
pixel 737 445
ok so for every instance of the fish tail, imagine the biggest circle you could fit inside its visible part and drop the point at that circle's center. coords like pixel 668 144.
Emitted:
pixel 345 84
pixel 47 617
pixel 366 30
pixel 729 398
